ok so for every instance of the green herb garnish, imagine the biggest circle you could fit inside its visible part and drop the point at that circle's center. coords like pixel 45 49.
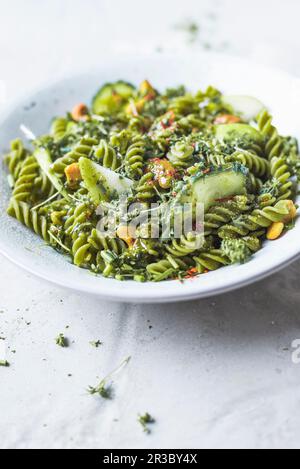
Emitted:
pixel 146 420
pixel 104 389
pixel 61 341
pixel 190 28
pixel 4 363
pixel 236 250
pixel 96 343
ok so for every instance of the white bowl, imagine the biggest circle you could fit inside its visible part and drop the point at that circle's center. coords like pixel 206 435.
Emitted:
pixel 234 76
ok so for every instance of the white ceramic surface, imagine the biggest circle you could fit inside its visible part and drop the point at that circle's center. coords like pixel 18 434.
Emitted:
pixel 280 92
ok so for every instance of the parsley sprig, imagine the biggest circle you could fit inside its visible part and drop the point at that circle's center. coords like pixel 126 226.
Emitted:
pixel 104 389
pixel 146 420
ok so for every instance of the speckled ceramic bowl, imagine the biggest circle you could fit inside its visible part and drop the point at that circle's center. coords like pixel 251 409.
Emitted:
pixel 234 76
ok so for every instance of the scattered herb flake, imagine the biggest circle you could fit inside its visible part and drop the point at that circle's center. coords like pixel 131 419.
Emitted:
pixel 146 420
pixel 96 343
pixel 104 389
pixel 4 363
pixel 191 28
pixel 61 341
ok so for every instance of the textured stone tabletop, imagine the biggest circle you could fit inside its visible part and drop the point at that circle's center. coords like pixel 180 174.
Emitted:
pixel 215 373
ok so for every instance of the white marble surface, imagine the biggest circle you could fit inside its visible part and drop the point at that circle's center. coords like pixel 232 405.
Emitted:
pixel 216 373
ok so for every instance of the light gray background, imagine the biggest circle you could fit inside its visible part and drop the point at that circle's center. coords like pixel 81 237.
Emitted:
pixel 215 373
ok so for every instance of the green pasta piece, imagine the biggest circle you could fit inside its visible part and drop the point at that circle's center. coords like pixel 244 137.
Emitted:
pixel 211 260
pixel 259 218
pixel 181 154
pixel 258 166
pixel 14 160
pixel 107 156
pixel 30 218
pixel 59 128
pixel 134 158
pixel 83 148
pixel 25 184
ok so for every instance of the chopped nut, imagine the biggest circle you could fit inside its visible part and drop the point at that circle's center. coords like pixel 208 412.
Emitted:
pixel 134 108
pixel 127 234
pixel 163 171
pixel 147 89
pixel 79 112
pixel 275 231
pixel 227 119
pixel 73 174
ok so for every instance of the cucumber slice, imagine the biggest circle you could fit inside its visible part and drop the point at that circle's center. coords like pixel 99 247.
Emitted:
pixel 102 182
pixel 231 132
pixel 44 160
pixel 246 106
pixel 227 181
pixel 112 97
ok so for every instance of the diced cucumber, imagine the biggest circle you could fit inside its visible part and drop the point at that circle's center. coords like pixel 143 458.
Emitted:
pixel 102 182
pixel 227 181
pixel 44 160
pixel 246 106
pixel 112 97
pixel 230 132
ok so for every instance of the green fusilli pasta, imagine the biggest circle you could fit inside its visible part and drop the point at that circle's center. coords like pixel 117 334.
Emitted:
pixel 258 166
pixel 211 260
pixel 107 156
pixel 181 155
pixel 25 183
pixel 146 188
pixel 30 218
pixel 15 158
pixel 259 218
pixel 280 172
pixel 83 149
pixel 59 128
pixel 167 268
pixel 134 158
pixel 186 246
pixel 273 141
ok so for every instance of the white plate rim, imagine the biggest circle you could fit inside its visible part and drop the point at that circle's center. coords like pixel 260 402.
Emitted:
pixel 141 295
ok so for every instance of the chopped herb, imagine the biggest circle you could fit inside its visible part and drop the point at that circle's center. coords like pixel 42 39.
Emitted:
pixel 4 363
pixel 146 420
pixel 190 28
pixel 104 389
pixel 58 241
pixel 236 250
pixel 61 341
pixel 96 343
